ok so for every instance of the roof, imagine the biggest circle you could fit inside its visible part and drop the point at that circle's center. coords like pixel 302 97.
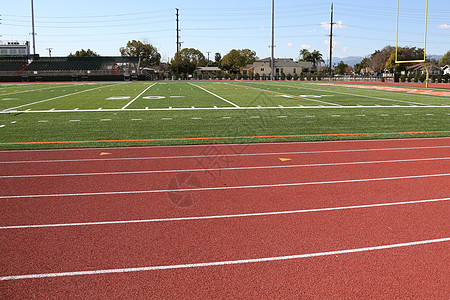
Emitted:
pixel 210 69
pixel 284 62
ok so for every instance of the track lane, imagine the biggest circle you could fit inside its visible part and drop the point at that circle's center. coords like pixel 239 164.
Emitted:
pixel 94 153
pixel 223 179
pixel 190 204
pixel 135 245
pixel 415 272
pixel 363 275
pixel 217 162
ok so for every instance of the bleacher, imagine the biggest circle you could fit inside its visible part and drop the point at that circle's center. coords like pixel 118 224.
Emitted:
pixel 69 68
pixel 12 65
pixel 65 64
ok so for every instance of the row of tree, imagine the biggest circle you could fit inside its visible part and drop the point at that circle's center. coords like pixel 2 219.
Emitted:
pixel 188 59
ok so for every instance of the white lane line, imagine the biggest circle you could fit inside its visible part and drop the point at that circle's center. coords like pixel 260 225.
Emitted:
pixel 220 155
pixel 217 96
pixel 67 95
pixel 226 169
pixel 258 186
pixel 248 215
pixel 225 263
pixel 138 96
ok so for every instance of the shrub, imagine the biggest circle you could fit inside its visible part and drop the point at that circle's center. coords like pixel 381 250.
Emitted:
pixel 295 76
pixel 422 78
pixel 257 76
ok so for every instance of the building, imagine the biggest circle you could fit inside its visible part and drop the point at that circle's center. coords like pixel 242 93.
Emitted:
pixel 282 66
pixel 433 69
pixel 446 70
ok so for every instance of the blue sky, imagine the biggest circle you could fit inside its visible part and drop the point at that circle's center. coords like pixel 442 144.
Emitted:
pixel 219 26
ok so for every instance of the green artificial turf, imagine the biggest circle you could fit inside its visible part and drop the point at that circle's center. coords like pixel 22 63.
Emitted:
pixel 166 113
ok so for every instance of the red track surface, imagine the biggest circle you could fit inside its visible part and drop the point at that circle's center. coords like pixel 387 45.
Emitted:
pixel 123 204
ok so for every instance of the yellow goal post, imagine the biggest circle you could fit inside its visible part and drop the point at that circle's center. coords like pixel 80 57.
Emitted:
pixel 421 61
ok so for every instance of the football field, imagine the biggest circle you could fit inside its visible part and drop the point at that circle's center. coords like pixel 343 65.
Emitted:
pixel 50 115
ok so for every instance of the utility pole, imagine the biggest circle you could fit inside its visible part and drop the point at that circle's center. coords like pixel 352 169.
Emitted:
pixel 32 25
pixel 178 32
pixel 272 56
pixel 50 52
pixel 331 39
pixel 207 64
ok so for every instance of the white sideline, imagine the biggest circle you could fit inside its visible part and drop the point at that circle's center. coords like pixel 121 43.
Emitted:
pixel 224 263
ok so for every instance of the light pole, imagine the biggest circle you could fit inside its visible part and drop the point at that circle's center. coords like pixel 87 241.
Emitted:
pixel 32 26
pixel 272 56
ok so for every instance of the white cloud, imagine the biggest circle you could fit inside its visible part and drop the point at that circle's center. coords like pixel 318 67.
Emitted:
pixel 325 25
pixel 290 45
pixel 314 30
pixel 444 26
pixel 335 44
pixel 340 25
pixel 337 25
pixel 305 46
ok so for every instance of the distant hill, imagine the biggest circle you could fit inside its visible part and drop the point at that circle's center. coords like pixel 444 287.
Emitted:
pixel 351 60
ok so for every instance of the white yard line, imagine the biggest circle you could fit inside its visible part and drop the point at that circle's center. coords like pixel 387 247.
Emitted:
pixel 303 98
pixel 229 168
pixel 61 97
pixel 138 96
pixel 221 188
pixel 217 96
pixel 225 263
pixel 355 95
pixel 47 88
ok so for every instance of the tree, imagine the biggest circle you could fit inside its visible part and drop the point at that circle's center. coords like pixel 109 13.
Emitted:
pixel 314 57
pixel 362 65
pixel 217 58
pixel 84 53
pixel 404 54
pixel 148 54
pixel 378 58
pixel 237 59
pixel 341 68
pixel 445 60
pixel 187 60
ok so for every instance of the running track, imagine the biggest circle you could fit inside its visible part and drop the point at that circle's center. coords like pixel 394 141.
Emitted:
pixel 358 219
